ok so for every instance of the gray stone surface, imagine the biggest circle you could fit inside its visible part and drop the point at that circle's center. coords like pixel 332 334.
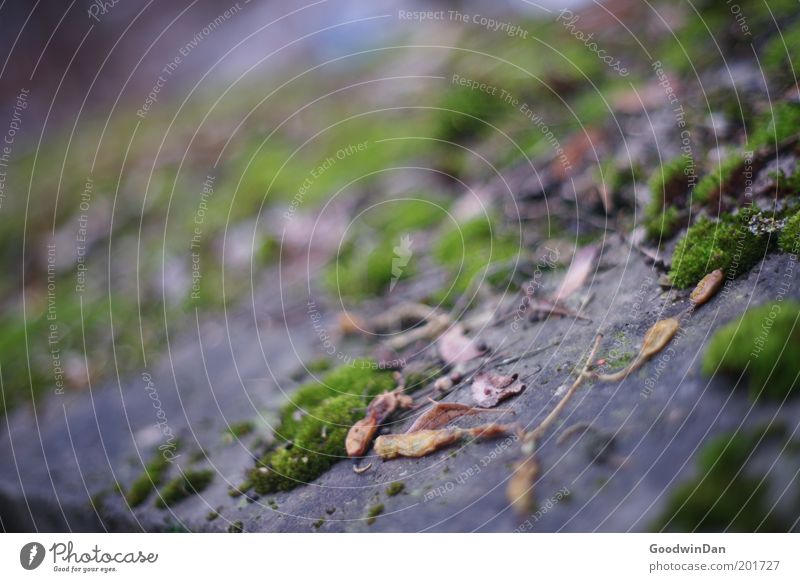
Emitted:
pixel 77 446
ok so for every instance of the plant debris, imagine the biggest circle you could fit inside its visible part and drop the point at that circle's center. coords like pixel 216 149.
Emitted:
pixel 360 434
pixel 455 347
pixel 489 389
pixel 577 273
pixel 425 442
pixel 441 414
pixel 656 338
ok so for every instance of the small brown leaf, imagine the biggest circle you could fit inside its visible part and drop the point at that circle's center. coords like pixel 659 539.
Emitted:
pixel 361 433
pixel 489 389
pixel 425 442
pixel 455 347
pixel 658 336
pixel 707 287
pixel 443 413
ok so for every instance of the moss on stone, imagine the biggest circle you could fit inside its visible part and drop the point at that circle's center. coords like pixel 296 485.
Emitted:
pixel 469 250
pixel 395 488
pixel 725 496
pixel 764 343
pixel 777 124
pixel 154 473
pixel 709 187
pixel 374 512
pixel 783 60
pixel 669 189
pixel 240 429
pixel 789 240
pixel 727 244
pixel 316 422
pixel 236 527
pixel 186 485
pixel 663 225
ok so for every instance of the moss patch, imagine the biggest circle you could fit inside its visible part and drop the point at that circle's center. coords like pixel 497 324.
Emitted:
pixel 188 484
pixel 781 122
pixel 153 476
pixel 789 240
pixel 765 340
pixel 710 187
pixel 725 496
pixel 238 430
pixel 315 424
pixel 727 244
pixel 669 189
pixel 468 250
pixel 374 512
pixel 395 488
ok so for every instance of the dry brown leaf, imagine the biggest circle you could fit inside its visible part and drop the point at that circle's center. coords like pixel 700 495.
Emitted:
pixel 425 442
pixel 443 413
pixel 361 433
pixel 577 273
pixel 707 287
pixel 520 490
pixel 455 347
pixel 489 389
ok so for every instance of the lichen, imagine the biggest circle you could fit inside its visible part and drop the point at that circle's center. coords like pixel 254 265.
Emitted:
pixel 315 423
pixel 726 496
pixel 727 244
pixel 188 484
pixel 763 343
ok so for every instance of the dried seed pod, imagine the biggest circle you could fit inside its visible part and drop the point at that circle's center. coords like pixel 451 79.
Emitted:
pixel 520 490
pixel 658 336
pixel 707 287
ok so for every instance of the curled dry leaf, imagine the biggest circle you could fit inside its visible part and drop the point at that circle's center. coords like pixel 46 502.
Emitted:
pixel 707 287
pixel 425 442
pixel 577 273
pixel 360 434
pixel 489 389
pixel 455 347
pixel 520 490
pixel 443 413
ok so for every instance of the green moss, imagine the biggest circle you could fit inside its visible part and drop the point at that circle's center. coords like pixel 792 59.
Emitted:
pixel 727 244
pixel 789 240
pixel 709 187
pixel 783 60
pixel 776 125
pixel 662 225
pixel 154 473
pixel 319 523
pixel 466 113
pixel 764 343
pixel 395 488
pixel 186 485
pixel 725 496
pixel 374 512
pixel 236 527
pixel 317 423
pixel 468 250
pixel 212 515
pixel 240 429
